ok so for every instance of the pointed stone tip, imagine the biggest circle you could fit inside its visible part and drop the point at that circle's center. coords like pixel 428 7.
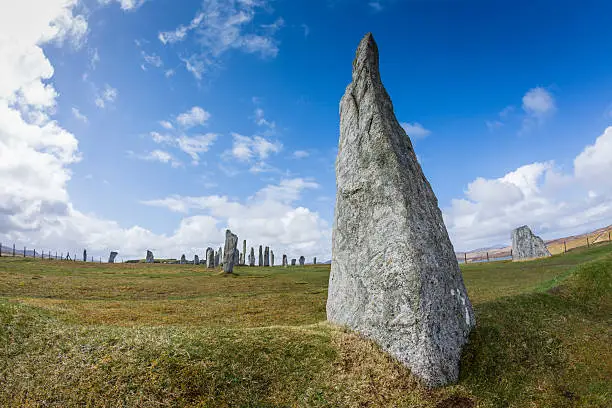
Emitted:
pixel 367 53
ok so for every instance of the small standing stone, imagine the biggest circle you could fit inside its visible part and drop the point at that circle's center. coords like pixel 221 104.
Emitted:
pixel 111 258
pixel 302 260
pixel 267 256
pixel 210 258
pixel 196 260
pixel 261 262
pixel 149 258
pixel 236 257
pixel 252 257
pixel 84 255
pixel 244 252
pixel 527 245
pixel 284 263
pixel 231 240
pixel 272 258
pixel 314 261
pixel 183 259
pixel 216 259
pixel 293 262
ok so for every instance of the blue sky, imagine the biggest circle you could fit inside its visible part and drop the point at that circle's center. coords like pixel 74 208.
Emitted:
pixel 157 124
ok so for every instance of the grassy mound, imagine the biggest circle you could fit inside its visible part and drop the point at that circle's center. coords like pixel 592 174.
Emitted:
pixel 74 334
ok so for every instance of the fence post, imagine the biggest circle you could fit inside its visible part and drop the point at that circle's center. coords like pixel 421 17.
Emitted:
pixel 24 251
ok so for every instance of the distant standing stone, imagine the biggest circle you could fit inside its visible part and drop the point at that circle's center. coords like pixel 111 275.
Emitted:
pixel 244 252
pixel 216 259
pixel 221 258
pixel 183 259
pixel 267 256
pixel 394 275
pixel 210 258
pixel 111 258
pixel 527 245
pixel 302 260
pixel 236 257
pixel 84 255
pixel 293 262
pixel 284 263
pixel 231 241
pixel 149 258
pixel 196 260
pixel 314 261
pixel 272 258
pixel 252 257
pixel 261 262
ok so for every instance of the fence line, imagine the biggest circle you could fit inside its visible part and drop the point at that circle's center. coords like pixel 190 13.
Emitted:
pixel 45 254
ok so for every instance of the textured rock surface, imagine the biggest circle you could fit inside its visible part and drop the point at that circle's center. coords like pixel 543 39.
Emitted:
pixel 231 241
pixel 284 261
pixel 210 257
pixel 267 256
pixel 527 245
pixel 394 276
pixel 196 260
pixel 252 257
pixel 302 260
pixel 293 262
pixel 111 258
pixel 260 263
pixel 149 258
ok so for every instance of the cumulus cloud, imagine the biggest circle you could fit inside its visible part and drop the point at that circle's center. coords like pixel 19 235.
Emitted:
pixel 223 25
pixel 108 95
pixel 552 202
pixel 125 4
pixel 254 150
pixel 415 130
pixel 78 115
pixel 196 116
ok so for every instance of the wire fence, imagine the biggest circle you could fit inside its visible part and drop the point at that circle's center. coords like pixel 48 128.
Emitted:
pixel 15 250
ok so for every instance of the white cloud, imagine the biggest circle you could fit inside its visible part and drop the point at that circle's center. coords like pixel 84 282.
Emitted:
pixel 223 25
pixel 78 115
pixel 415 130
pixel 125 4
pixel 375 5
pixel 108 95
pixel 166 125
pixel 196 144
pixel 196 116
pixel 261 120
pixel 246 148
pixel 94 58
pixel 169 73
pixel 553 203
pixel 152 59
pixel 300 154
pixel 157 155
pixel 538 102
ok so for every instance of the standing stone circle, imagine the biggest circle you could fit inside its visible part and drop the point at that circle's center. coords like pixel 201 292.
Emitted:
pixel 113 255
pixel 231 241
pixel 394 275
pixel 526 245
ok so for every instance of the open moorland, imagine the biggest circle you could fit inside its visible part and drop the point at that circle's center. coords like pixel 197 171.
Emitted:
pixel 154 335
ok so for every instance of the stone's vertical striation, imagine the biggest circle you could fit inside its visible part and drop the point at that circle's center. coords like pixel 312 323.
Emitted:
pixel 210 257
pixel 394 275
pixel 284 261
pixel 111 258
pixel 527 245
pixel 302 260
pixel 244 252
pixel 271 258
pixel 252 257
pixel 183 259
pixel 231 242
pixel 267 256
pixel 293 262
pixel 196 260
pixel 260 263
pixel 149 258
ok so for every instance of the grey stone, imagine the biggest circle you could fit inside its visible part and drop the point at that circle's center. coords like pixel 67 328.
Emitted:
pixel 183 259
pixel 210 258
pixel 231 241
pixel 252 257
pixel 149 258
pixel 221 258
pixel 196 260
pixel 314 261
pixel 84 255
pixel 302 260
pixel 260 256
pixel 271 258
pixel 111 258
pixel 293 262
pixel 394 275
pixel 244 252
pixel 526 245
pixel 236 257
pixel 216 259
pixel 267 256
pixel 284 264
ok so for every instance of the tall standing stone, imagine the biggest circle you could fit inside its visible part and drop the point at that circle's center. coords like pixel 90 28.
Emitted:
pixel 526 245
pixel 394 275
pixel 231 241
pixel 196 260
pixel 267 256
pixel 217 260
pixel 111 258
pixel 261 262
pixel 284 263
pixel 210 257
pixel 84 255
pixel 244 252
pixel 149 258
pixel 252 257
pixel 183 259
pixel 314 261
pixel 302 260
pixel 236 257
pixel 271 258
pixel 293 262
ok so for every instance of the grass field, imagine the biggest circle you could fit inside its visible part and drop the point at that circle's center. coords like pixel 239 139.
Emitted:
pixel 86 334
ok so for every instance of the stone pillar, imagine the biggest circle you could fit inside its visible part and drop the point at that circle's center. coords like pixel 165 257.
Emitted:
pixel 244 252
pixel 293 262
pixel 210 257
pixel 267 256
pixel 252 257
pixel 216 259
pixel 261 262
pixel 236 257
pixel 149 258
pixel 271 258
pixel 302 260
pixel 284 263
pixel 84 255
pixel 183 259
pixel 196 260
pixel 111 258
pixel 231 241
pixel 314 261
pixel 221 259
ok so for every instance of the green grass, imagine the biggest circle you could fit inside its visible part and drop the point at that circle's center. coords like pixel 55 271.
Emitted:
pixel 74 334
